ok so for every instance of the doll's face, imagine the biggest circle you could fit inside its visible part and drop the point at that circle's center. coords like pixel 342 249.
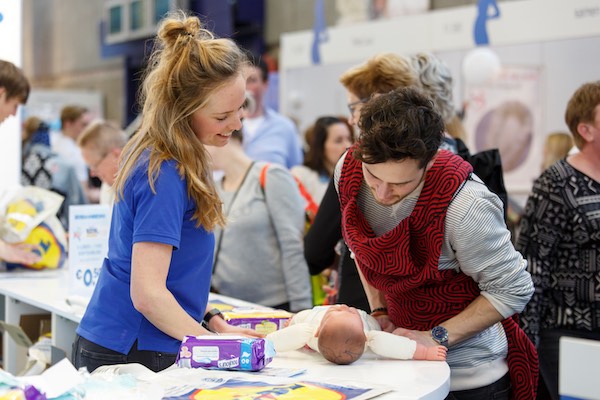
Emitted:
pixel 341 335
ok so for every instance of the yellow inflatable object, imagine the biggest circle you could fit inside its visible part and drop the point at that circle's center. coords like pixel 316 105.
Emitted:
pixel 30 217
pixel 21 213
pixel 48 246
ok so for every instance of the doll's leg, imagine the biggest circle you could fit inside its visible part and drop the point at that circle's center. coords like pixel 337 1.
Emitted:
pixel 435 353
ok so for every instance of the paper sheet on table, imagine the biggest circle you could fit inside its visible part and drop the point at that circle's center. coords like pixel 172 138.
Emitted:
pixel 185 383
pixel 253 387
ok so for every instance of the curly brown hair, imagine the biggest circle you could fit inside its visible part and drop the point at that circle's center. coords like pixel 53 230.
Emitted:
pixel 397 125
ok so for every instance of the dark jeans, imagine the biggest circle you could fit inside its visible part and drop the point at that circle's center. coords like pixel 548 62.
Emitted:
pixel 499 390
pixel 89 354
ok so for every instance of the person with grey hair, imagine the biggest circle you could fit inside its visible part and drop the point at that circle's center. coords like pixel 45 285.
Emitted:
pixel 435 80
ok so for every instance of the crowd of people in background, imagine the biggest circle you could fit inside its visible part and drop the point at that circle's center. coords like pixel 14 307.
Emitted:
pixel 402 218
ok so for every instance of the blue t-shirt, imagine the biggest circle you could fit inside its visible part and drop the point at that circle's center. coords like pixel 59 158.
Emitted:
pixel 111 320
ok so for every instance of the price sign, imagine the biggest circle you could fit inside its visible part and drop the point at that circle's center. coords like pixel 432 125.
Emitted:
pixel 88 276
pixel 89 227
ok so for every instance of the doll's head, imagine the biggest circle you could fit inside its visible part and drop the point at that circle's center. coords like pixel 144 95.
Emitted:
pixel 341 336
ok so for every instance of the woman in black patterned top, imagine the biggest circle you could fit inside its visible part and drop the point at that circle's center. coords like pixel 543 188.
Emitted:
pixel 560 237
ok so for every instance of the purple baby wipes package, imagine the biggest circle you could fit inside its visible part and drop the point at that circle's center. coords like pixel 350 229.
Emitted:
pixel 263 321
pixel 236 353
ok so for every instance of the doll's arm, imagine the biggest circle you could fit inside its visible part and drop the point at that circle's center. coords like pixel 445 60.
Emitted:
pixel 293 337
pixel 399 347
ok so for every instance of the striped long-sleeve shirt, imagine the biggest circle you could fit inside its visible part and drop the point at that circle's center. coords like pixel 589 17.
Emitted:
pixel 477 243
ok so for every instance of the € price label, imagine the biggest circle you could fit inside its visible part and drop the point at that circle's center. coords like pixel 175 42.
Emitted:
pixel 88 276
pixel 89 227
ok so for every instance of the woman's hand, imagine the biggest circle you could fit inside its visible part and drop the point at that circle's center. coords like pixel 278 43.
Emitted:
pixel 236 330
pixel 20 253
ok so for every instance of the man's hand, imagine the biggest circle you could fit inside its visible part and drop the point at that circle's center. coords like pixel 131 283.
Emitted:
pixel 20 253
pixel 386 324
pixel 422 337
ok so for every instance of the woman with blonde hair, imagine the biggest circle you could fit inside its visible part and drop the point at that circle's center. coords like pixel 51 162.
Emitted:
pixel 556 147
pixel 148 296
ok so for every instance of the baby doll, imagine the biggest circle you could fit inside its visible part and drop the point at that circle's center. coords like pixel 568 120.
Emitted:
pixel 341 334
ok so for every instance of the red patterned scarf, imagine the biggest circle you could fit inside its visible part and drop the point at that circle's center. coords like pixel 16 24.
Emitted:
pixel 403 263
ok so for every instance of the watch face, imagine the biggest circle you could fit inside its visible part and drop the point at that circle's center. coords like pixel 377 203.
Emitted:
pixel 439 334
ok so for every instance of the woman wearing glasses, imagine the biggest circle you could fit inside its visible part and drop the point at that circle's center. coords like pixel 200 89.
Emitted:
pixel 379 74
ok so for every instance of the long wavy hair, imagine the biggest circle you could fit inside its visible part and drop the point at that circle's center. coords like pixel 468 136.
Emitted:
pixel 187 65
pixel 556 147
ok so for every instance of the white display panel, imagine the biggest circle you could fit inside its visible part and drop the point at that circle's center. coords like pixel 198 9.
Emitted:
pixel 563 59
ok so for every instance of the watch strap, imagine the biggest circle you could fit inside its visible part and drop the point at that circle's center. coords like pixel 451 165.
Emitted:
pixel 215 312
